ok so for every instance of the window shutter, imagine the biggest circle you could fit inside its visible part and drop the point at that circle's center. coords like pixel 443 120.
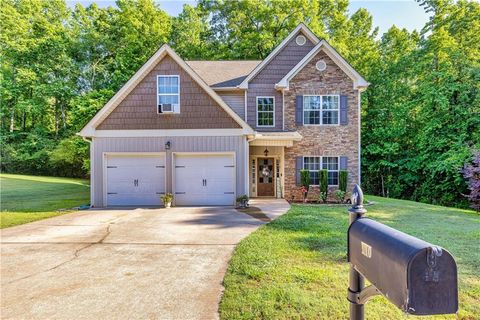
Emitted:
pixel 343 110
pixel 343 163
pixel 299 110
pixel 298 167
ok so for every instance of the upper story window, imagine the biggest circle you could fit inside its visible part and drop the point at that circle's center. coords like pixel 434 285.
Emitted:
pixel 265 111
pixel 313 164
pixel 318 110
pixel 168 91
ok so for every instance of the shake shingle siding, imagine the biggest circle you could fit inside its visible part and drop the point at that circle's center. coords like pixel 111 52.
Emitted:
pixel 139 109
pixel 263 84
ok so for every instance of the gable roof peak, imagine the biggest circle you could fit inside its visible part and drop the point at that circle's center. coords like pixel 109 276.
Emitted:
pixel 359 83
pixel 164 50
pixel 301 27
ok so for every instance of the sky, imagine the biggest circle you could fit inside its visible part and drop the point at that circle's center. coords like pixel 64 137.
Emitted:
pixel 402 13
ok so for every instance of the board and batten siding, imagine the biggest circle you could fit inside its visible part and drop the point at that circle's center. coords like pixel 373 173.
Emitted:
pixel 235 100
pixel 237 144
pixel 263 84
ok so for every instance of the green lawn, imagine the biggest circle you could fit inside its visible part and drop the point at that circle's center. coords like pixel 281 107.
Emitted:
pixel 296 267
pixel 29 198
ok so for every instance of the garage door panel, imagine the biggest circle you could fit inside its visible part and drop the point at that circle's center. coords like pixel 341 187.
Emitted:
pixel 204 180
pixel 135 179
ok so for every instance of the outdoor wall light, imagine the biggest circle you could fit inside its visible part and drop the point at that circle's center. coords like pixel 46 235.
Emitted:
pixel 167 145
pixel 266 152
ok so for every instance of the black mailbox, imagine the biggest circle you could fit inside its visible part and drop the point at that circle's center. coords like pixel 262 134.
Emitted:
pixel 416 276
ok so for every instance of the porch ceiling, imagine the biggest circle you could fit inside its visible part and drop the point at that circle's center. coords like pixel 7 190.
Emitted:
pixel 280 139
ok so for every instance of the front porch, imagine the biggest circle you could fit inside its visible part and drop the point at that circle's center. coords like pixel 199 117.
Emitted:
pixel 266 163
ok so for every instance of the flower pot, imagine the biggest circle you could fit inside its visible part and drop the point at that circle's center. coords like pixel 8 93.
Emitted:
pixel 243 203
pixel 168 204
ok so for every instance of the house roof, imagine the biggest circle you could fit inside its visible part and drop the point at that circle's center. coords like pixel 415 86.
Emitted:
pixel 358 81
pixel 89 129
pixel 223 74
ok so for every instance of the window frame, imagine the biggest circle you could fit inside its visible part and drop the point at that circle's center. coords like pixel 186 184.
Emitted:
pixel 168 94
pixel 321 167
pixel 273 111
pixel 321 110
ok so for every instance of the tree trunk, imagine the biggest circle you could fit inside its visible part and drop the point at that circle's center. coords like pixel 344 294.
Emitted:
pixel 12 112
pixel 383 186
pixel 64 122
pixel 56 118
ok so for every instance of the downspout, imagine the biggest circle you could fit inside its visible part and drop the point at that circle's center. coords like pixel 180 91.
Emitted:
pixel 90 141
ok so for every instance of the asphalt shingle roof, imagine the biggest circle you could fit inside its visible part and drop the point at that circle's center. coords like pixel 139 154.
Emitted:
pixel 219 74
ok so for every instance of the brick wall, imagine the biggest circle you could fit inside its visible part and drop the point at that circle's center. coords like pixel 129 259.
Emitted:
pixel 139 109
pixel 341 140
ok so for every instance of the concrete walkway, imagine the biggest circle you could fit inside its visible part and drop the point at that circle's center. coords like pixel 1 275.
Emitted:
pixel 123 264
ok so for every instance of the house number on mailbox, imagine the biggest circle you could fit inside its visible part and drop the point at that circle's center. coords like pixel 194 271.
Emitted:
pixel 366 250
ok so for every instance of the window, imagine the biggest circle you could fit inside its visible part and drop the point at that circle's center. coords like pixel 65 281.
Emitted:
pixel 265 111
pixel 300 40
pixel 319 110
pixel 313 164
pixel 331 165
pixel 168 90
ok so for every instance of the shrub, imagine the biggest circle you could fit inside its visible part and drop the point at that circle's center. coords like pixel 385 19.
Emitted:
pixel 340 195
pixel 342 180
pixel 305 179
pixel 471 172
pixel 323 181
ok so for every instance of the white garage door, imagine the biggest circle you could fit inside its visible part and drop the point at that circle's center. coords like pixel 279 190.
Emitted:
pixel 135 179
pixel 204 180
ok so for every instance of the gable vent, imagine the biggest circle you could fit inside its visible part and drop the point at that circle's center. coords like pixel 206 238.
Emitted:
pixel 300 40
pixel 321 65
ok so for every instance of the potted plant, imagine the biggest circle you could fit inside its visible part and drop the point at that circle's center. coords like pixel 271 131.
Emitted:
pixel 243 201
pixel 167 199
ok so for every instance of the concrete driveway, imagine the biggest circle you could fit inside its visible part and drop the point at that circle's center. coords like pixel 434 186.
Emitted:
pixel 123 264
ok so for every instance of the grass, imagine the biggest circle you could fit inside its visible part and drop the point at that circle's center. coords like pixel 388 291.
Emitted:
pixel 30 198
pixel 296 266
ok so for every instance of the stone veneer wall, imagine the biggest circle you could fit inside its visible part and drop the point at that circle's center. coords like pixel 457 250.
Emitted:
pixel 341 140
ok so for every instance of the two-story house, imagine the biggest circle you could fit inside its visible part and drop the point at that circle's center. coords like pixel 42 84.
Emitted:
pixel 209 131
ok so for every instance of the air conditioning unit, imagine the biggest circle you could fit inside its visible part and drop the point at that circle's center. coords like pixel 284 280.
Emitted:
pixel 167 108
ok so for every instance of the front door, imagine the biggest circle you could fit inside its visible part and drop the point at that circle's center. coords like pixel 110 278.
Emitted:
pixel 265 186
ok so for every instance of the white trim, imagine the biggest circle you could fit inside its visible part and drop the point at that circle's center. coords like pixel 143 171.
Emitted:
pixel 246 159
pixel 359 83
pixel 283 110
pixel 301 27
pixel 164 50
pixel 321 167
pixel 321 63
pixel 128 154
pixel 168 133
pixel 359 116
pixel 256 107
pixel 227 89
pixel 321 110
pixel 169 94
pixel 302 39
pixel 219 153
pixel 246 105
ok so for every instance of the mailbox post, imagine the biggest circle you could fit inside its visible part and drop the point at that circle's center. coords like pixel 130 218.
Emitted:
pixel 416 276
pixel 356 280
